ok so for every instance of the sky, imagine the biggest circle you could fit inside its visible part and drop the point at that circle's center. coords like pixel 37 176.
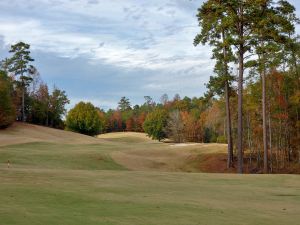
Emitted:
pixel 101 50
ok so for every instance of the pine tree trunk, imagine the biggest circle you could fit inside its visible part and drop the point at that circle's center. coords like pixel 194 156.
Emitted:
pixel 298 88
pixel 270 141
pixel 47 119
pixel 229 136
pixel 23 104
pixel 240 27
pixel 240 110
pixel 249 140
pixel 228 115
pixel 264 115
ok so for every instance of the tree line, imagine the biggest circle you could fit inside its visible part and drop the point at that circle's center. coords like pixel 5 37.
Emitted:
pixel 178 119
pixel 23 94
pixel 258 37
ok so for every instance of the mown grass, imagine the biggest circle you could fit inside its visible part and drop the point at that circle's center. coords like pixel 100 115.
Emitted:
pixel 37 196
pixel 60 156
pixel 63 184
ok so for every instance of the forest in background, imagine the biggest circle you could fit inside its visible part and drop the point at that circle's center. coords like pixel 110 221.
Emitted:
pixel 23 94
pixel 255 111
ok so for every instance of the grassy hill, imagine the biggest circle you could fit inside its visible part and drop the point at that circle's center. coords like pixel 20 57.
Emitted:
pixel 60 177
pixel 20 133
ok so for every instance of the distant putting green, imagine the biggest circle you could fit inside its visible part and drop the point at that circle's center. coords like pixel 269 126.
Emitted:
pixel 118 181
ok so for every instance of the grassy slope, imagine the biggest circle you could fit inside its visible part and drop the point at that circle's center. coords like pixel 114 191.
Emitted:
pixel 63 183
pixel 59 156
pixel 21 133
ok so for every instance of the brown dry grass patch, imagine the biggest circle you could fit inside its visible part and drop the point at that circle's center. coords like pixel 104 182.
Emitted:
pixel 20 133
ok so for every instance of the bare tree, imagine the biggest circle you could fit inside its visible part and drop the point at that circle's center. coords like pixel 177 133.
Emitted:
pixel 175 127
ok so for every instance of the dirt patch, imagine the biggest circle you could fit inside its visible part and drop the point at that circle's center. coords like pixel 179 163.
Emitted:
pixel 214 163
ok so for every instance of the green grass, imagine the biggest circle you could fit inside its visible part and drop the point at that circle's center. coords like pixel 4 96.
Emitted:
pixel 31 196
pixel 60 156
pixel 63 184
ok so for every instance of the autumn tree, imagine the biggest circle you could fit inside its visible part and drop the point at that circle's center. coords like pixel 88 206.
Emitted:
pixel 140 121
pixel 129 124
pixel 39 106
pixel 273 25
pixel 115 120
pixel 191 124
pixel 84 118
pixel 155 124
pixel 57 106
pixel 7 111
pixel 175 127
pixel 103 121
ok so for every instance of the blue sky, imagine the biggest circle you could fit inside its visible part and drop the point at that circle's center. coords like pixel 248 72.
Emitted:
pixel 101 50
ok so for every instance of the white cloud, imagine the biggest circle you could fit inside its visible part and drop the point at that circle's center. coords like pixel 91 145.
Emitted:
pixel 119 49
pixel 154 37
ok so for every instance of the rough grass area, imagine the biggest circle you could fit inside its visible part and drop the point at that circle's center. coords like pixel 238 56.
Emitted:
pixel 128 179
pixel 20 133
pixel 136 151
